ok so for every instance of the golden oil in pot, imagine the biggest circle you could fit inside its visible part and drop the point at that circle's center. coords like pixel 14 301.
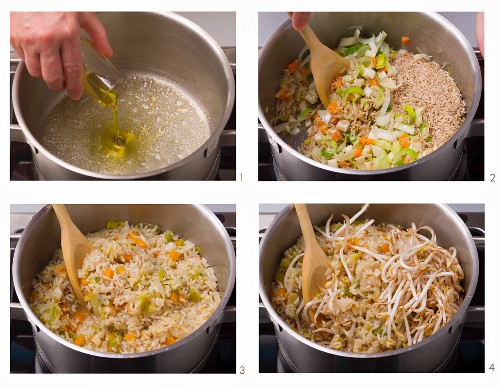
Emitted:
pixel 160 123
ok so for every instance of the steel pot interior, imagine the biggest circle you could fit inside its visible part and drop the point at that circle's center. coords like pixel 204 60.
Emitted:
pixel 165 45
pixel 450 231
pixel 194 222
pixel 429 32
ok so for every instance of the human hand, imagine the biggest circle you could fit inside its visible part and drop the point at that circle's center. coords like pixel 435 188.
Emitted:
pixel 480 31
pixel 49 44
pixel 300 19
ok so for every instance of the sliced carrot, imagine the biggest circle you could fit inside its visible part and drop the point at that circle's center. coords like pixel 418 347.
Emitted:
pixel 374 60
pixel 405 135
pixel 305 71
pixel 127 256
pixel 337 83
pixel 355 241
pixel 284 94
pixel 336 135
pixel 84 281
pixel 405 144
pixel 366 141
pixel 357 153
pixel 79 340
pixel 79 317
pixel 33 296
pixel 174 297
pixel 293 66
pixel 71 328
pixel 174 255
pixel 120 269
pixel 384 248
pixel 323 128
pixel 129 337
pixel 108 272
pixel 281 292
pixel 134 236
pixel 61 270
pixel 170 340
pixel 373 82
pixel 405 40
pixel 333 108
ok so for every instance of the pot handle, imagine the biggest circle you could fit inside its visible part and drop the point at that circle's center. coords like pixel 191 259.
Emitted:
pixel 14 61
pixel 264 316
pixel 476 315
pixel 228 315
pixel 478 236
pixel 17 312
pixel 475 129
pixel 228 138
pixel 16 133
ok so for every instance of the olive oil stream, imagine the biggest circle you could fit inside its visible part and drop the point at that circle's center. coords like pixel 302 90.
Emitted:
pixel 96 88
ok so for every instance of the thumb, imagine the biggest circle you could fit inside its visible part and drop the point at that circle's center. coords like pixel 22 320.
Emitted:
pixel 94 28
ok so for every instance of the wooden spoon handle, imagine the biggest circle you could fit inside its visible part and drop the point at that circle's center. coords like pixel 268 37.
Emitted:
pixel 308 35
pixel 310 38
pixel 305 224
pixel 62 215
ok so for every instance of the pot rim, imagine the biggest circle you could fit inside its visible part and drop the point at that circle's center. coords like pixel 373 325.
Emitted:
pixel 457 137
pixel 449 327
pixel 209 42
pixel 213 320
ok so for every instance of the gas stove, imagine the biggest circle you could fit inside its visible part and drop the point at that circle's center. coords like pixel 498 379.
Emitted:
pixel 26 358
pixel 469 356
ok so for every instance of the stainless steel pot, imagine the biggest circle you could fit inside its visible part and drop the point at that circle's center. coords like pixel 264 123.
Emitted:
pixel 195 222
pixel 160 43
pixel 429 32
pixel 431 354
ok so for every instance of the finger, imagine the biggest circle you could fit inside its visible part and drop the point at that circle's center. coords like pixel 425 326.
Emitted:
pixel 19 51
pixel 300 19
pixel 94 28
pixel 73 69
pixel 32 60
pixel 52 71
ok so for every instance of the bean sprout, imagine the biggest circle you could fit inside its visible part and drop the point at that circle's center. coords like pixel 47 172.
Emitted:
pixel 388 287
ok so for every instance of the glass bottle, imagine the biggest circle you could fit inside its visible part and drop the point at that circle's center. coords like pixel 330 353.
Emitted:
pixel 100 77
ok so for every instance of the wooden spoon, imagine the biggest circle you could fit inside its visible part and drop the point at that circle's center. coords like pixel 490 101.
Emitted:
pixel 326 64
pixel 75 247
pixel 314 263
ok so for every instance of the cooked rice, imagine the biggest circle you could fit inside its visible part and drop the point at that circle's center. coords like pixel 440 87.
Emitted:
pixel 144 290
pixel 426 84
pixel 387 287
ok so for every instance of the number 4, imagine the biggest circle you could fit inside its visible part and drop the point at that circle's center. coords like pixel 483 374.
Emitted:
pixel 492 367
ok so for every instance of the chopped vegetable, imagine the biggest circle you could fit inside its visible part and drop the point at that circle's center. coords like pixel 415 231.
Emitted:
pixel 174 255
pixel 169 237
pixel 170 340
pixel 293 66
pixel 79 340
pixel 134 237
pixel 110 224
pixel 108 272
pixel 194 295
